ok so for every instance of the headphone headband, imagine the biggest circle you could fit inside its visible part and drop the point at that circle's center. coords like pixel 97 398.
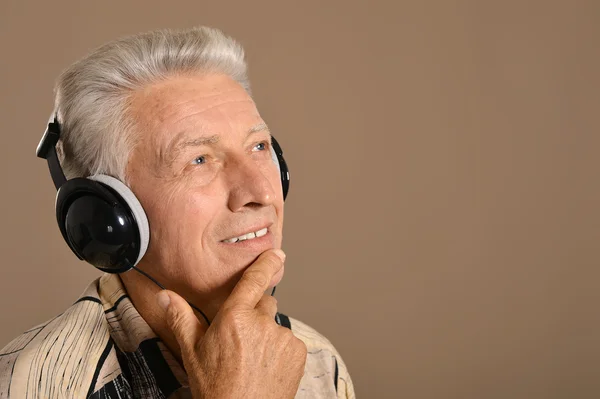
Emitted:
pixel 46 149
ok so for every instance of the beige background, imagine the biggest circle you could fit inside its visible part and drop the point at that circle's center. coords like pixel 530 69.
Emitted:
pixel 442 227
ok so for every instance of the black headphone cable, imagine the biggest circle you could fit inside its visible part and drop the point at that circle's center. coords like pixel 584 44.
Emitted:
pixel 143 273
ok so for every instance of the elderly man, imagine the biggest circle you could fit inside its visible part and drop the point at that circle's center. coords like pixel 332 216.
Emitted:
pixel 167 142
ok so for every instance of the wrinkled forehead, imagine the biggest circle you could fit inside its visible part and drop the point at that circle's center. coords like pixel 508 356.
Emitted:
pixel 197 104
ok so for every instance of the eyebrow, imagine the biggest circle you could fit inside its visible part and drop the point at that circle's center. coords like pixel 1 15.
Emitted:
pixel 258 128
pixel 177 145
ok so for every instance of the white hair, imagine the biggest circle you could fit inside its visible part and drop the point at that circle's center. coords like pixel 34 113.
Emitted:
pixel 92 95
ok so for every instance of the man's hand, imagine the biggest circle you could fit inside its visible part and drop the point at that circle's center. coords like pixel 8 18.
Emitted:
pixel 244 353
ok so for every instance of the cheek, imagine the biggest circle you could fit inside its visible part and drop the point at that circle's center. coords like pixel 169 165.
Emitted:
pixel 180 223
pixel 176 216
pixel 198 212
pixel 161 208
pixel 272 173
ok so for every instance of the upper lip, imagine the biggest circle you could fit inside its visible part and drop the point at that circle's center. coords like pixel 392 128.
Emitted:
pixel 250 230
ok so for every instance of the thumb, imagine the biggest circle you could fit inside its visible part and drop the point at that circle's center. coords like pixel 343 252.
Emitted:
pixel 181 320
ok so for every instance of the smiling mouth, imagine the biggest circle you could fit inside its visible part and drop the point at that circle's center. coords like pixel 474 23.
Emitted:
pixel 247 236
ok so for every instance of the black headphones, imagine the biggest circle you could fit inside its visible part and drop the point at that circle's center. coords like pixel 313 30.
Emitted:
pixel 100 218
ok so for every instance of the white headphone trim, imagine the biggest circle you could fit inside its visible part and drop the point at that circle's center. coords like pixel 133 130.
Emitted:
pixel 135 206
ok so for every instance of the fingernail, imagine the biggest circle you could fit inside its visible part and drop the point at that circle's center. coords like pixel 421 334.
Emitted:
pixel 280 253
pixel 163 300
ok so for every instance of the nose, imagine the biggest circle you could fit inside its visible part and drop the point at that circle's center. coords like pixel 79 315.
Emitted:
pixel 250 186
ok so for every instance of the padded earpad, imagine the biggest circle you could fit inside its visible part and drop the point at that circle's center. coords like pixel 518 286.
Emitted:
pixel 98 225
pixel 135 207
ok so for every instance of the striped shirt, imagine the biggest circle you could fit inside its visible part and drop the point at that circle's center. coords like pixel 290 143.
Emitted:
pixel 102 348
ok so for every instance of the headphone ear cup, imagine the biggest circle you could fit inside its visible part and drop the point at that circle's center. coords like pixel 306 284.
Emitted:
pixel 98 225
pixel 135 208
pixel 277 155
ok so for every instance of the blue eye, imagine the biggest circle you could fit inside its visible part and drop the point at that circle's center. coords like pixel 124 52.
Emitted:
pixel 199 160
pixel 261 146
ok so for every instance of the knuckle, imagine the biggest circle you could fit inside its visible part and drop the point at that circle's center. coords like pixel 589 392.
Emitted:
pixel 235 323
pixel 256 278
pixel 197 347
pixel 270 301
pixel 274 261
pixel 228 318
pixel 177 322
pixel 262 323
pixel 288 336
pixel 300 345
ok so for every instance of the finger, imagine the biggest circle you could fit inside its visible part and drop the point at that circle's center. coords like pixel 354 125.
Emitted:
pixel 255 280
pixel 267 305
pixel 181 320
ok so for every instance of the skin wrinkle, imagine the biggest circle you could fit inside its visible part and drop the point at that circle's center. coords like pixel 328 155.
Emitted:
pixel 171 110
pixel 177 146
pixel 191 208
pixel 176 107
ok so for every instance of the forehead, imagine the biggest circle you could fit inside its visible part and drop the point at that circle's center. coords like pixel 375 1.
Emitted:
pixel 214 104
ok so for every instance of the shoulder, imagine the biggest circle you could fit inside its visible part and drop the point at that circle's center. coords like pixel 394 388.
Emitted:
pixel 323 361
pixel 313 339
pixel 57 358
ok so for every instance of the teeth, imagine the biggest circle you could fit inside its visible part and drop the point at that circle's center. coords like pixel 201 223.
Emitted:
pixel 261 233
pixel 248 236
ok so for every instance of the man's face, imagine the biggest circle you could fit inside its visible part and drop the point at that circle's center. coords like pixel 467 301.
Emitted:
pixel 202 170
